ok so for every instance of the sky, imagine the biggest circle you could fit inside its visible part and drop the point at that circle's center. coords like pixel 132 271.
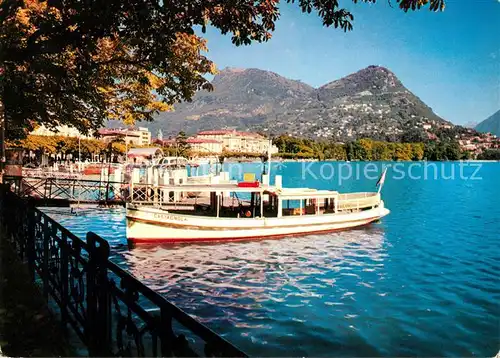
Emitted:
pixel 450 59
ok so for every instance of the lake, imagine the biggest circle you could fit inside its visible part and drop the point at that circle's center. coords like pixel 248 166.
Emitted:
pixel 424 281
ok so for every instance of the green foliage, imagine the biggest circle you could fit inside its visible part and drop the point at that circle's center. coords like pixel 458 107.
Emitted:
pixel 333 15
pixel 182 147
pixel 293 147
pixel 452 134
pixel 443 151
pixel 228 154
pixel 414 135
pixel 490 154
pixel 366 150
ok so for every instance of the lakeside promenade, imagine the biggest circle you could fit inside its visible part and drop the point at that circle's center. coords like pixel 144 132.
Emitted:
pixel 27 327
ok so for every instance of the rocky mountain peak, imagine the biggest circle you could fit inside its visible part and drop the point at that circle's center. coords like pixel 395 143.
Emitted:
pixel 368 81
pixel 371 102
pixel 253 82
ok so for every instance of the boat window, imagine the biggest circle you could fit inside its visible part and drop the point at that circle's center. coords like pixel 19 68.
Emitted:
pixel 292 207
pixel 310 206
pixel 329 205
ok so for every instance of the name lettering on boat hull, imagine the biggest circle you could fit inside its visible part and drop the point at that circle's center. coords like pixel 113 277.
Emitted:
pixel 169 217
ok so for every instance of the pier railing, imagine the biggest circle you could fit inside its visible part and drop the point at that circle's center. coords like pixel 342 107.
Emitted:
pixel 112 312
pixel 70 189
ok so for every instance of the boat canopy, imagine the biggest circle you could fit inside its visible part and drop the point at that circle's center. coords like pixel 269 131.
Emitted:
pixel 283 193
pixel 306 193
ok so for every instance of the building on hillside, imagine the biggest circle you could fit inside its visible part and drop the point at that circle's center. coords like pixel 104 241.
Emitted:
pixel 469 147
pixel 63 131
pixel 427 126
pixel 235 141
pixel 431 136
pixel 134 136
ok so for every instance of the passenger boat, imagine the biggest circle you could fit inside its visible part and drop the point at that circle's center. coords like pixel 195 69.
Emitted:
pixel 243 211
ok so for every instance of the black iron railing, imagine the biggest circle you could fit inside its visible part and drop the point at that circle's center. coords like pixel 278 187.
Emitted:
pixel 112 312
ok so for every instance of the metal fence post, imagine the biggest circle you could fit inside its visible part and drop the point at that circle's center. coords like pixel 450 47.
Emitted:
pixel 64 277
pixel 30 240
pixel 167 335
pixel 45 267
pixel 98 298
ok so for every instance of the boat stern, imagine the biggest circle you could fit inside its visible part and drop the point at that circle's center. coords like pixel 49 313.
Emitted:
pixel 383 211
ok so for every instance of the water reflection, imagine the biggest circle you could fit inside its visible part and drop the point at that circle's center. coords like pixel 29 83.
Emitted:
pixel 424 282
pixel 244 277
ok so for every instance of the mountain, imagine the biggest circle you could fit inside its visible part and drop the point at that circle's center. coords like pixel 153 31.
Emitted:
pixel 470 124
pixel 369 103
pixel 490 124
pixel 242 99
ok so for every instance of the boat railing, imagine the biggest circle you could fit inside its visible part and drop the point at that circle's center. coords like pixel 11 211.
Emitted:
pixel 357 201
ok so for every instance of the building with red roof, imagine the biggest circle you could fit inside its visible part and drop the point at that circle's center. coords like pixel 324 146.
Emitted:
pixel 131 135
pixel 236 141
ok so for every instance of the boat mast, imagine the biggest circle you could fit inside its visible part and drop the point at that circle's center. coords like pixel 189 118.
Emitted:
pixel 381 180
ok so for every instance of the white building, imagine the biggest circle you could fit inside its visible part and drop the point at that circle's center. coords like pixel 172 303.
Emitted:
pixel 63 131
pixel 205 145
pixel 235 141
pixel 135 136
pixel 145 135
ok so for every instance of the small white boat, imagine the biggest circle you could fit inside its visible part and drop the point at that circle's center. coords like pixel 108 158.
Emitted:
pixel 267 212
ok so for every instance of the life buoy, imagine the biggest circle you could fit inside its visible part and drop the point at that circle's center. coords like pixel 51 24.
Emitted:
pixel 248 213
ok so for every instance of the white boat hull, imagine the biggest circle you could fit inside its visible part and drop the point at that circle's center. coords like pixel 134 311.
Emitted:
pixel 148 224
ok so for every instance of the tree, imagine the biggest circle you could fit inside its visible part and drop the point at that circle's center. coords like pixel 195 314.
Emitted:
pixel 414 135
pixel 418 151
pixel 63 67
pixel 366 146
pixel 382 151
pixel 452 151
pixel 182 147
pixel 489 154
pixel 79 63
pixel 403 151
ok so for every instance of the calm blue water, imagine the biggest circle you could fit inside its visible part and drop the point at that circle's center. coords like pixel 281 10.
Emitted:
pixel 425 281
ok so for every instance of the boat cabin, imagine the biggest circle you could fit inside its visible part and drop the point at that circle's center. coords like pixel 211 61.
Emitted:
pixel 262 201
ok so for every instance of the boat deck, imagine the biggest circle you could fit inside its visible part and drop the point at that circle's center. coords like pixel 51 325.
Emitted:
pixel 188 203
